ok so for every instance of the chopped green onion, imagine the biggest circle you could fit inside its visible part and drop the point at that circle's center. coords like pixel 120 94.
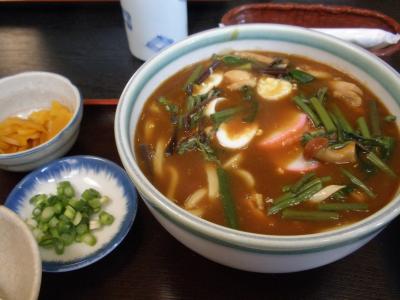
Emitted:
pixel 53 221
pixel 307 110
pixel 323 115
pixel 67 238
pixel 64 188
pixel 94 224
pixel 227 199
pixel 343 206
pixel 362 125
pixel 105 218
pixel 94 203
pixel 380 164
pixel 47 213
pixel 89 239
pixel 308 215
pixel 104 200
pixel 69 212
pixel 357 182
pixel 59 220
pixel 90 194
pixel 82 228
pixel 38 200
pixel 77 219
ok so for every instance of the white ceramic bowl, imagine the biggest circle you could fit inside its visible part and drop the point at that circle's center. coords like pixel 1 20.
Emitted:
pixel 242 250
pixel 20 263
pixel 24 93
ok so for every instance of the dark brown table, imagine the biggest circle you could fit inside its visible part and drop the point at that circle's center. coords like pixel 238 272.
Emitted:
pixel 87 43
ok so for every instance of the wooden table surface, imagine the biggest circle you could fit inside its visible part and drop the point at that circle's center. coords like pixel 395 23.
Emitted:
pixel 87 43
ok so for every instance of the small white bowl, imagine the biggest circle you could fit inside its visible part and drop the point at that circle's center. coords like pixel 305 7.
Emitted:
pixel 24 93
pixel 238 249
pixel 20 263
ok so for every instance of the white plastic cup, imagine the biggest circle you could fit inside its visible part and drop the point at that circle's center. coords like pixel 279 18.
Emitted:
pixel 153 25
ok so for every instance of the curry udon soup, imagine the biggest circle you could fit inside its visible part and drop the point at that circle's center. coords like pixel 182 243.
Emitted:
pixel 269 143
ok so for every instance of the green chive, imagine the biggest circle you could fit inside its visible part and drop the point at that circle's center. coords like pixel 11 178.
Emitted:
pixel 295 187
pixel 309 215
pixel 295 200
pixel 323 115
pixel 307 110
pixel 301 76
pixel 362 125
pixel 380 164
pixel 342 120
pixel 358 183
pixel 193 77
pixel 374 118
pixel 224 115
pixel 343 206
pixel 227 199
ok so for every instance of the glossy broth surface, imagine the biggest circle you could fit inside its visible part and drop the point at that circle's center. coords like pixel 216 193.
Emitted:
pixel 270 164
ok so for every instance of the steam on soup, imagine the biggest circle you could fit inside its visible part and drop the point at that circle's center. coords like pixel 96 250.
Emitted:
pixel 269 143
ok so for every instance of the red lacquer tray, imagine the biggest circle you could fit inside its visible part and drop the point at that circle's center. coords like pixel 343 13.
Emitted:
pixel 315 16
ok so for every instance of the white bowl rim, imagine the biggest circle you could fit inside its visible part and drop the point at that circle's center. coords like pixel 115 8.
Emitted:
pixel 241 240
pixel 75 117
pixel 33 245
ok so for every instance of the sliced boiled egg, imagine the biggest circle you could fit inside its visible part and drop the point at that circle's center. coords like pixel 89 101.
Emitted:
pixel 236 139
pixel 207 85
pixel 273 89
pixel 210 108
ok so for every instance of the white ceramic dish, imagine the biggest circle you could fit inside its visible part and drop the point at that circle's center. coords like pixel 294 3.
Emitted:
pixel 20 264
pixel 242 250
pixel 24 93
pixel 83 172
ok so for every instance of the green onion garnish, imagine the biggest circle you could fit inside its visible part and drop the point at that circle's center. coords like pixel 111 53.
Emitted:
pixel 59 220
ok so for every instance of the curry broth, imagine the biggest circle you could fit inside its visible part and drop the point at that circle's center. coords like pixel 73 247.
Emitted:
pixel 264 165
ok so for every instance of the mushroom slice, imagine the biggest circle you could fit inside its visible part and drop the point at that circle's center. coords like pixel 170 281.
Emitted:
pixel 315 72
pixel 239 78
pixel 347 92
pixel 346 154
pixel 238 139
pixel 273 89
pixel 207 85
